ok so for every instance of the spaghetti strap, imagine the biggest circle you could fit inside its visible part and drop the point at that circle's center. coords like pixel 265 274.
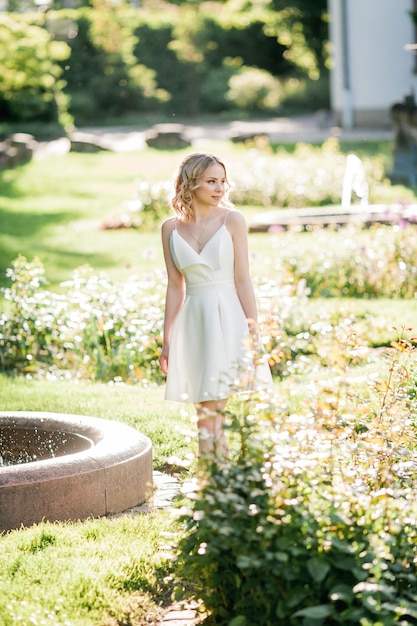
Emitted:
pixel 226 216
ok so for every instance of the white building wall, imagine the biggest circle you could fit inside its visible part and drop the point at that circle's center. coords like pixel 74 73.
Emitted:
pixel 370 67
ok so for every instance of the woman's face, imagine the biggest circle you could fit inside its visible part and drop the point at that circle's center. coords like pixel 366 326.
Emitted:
pixel 213 187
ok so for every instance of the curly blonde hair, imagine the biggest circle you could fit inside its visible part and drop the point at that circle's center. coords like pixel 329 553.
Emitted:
pixel 190 177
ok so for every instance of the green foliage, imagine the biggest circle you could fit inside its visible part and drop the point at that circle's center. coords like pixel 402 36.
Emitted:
pixel 99 330
pixel 188 44
pixel 305 94
pixel 23 337
pixel 302 28
pixel 104 331
pixel 254 89
pixel 313 516
pixel 381 265
pixel 311 521
pixel 103 76
pixel 153 36
pixel 147 210
pixel 225 42
pixel 31 82
pixel 123 61
pixel 213 93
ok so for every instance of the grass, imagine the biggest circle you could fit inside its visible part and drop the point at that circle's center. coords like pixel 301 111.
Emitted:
pixel 98 572
pixel 53 209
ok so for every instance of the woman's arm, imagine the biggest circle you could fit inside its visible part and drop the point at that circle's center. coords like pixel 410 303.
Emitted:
pixel 175 293
pixel 237 226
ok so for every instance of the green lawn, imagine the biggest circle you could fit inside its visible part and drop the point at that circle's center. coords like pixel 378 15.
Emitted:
pixel 53 208
pixel 106 572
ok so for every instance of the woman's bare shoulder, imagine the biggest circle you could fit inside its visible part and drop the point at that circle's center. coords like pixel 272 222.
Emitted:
pixel 235 218
pixel 168 226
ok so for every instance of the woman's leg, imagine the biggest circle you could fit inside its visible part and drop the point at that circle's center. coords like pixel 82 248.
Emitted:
pixel 210 422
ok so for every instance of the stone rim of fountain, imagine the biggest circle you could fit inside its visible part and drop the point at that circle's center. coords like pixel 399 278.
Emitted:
pixel 110 476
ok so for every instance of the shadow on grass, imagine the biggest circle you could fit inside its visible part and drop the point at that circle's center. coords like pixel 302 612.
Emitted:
pixel 68 260
pixel 18 232
pixel 26 224
pixel 8 184
pixel 64 261
pixel 17 228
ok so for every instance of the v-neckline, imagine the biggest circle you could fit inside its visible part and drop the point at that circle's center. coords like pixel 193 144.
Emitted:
pixel 207 242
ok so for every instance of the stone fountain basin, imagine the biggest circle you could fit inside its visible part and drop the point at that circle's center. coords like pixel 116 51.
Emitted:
pixel 85 467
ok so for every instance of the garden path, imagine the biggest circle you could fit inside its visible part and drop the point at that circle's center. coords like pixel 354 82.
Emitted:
pixel 166 488
pixel 309 128
pixel 178 613
pixel 306 128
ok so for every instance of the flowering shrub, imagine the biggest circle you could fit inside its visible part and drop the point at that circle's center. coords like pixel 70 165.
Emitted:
pixel 313 520
pixel 95 329
pixel 28 331
pixel 312 176
pixel 146 210
pixel 254 89
pixel 382 265
pixel 103 331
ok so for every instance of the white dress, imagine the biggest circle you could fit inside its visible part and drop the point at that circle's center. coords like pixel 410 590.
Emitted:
pixel 209 357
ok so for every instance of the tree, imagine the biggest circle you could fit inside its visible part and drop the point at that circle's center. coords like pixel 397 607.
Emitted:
pixel 302 27
pixel 30 77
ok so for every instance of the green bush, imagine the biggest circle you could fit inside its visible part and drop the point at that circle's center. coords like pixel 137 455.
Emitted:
pixel 311 176
pixel 214 88
pixel 31 85
pixel 382 264
pixel 147 210
pixel 254 89
pixel 311 521
pixel 103 76
pixel 97 330
pixel 100 330
pixel 300 95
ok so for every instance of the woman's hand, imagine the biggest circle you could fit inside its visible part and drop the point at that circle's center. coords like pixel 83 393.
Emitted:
pixel 255 341
pixel 163 360
pixel 252 325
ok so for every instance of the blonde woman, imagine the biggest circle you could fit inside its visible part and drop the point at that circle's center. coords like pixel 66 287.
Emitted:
pixel 210 307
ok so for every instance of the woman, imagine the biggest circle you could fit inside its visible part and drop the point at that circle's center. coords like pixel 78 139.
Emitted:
pixel 210 309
